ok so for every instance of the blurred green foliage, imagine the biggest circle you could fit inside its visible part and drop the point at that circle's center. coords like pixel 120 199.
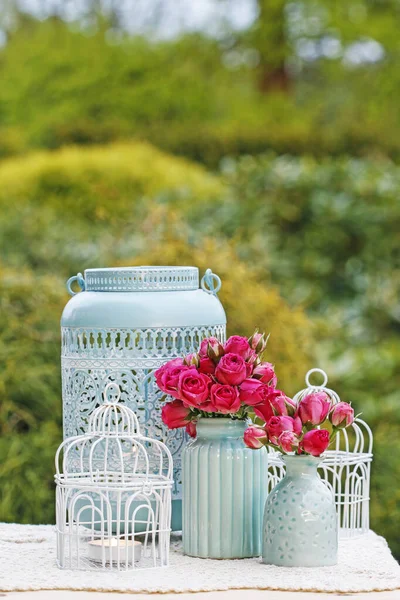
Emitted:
pixel 192 96
pixel 300 216
pixel 80 207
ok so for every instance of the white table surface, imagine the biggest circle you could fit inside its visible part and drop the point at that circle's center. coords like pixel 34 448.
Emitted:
pixel 20 535
pixel 228 595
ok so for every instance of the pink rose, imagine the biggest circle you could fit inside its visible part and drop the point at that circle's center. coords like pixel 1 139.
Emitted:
pixel 167 376
pixel 281 404
pixel 211 346
pixel 277 425
pixel 253 392
pixel 315 442
pixel 191 428
pixel 264 410
pixel 237 344
pixel 231 369
pixel 258 342
pixel 174 414
pixel 255 437
pixel 341 415
pixel 193 387
pixel 274 403
pixel 265 373
pixel 206 365
pixel 314 408
pixel 249 369
pixel 288 441
pixel 225 398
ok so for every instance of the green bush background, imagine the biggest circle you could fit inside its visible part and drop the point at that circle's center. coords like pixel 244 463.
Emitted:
pixel 138 152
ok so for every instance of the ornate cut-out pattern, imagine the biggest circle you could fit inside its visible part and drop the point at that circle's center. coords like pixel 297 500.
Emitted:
pixel 92 358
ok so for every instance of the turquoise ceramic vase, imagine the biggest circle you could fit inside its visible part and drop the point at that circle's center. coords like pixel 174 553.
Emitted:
pixel 224 492
pixel 300 521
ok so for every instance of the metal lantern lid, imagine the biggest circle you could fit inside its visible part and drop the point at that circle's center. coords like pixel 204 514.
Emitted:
pixel 143 297
pixel 140 279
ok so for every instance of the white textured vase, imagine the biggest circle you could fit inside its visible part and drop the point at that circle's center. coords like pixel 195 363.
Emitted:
pixel 300 519
pixel 224 492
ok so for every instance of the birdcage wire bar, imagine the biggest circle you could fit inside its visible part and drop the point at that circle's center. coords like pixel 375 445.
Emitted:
pixel 113 494
pixel 346 469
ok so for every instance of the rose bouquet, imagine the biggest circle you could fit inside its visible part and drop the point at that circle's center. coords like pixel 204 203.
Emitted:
pixel 297 428
pixel 232 380
pixel 220 380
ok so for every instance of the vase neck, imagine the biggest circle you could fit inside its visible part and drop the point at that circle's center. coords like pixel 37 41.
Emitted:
pixel 301 465
pixel 214 428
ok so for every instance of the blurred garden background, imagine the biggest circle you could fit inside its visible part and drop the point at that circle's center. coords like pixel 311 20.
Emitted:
pixel 260 138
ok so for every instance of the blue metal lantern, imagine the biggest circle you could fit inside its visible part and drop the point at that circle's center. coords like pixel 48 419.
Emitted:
pixel 122 326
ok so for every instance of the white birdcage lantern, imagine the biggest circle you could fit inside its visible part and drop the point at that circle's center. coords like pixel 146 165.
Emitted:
pixel 113 493
pixel 346 469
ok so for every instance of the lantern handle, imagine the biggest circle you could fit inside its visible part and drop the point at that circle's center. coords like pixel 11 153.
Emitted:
pixel 80 281
pixel 210 282
pixel 321 372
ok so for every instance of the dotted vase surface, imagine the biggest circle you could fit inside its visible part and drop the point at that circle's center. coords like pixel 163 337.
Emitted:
pixel 300 520
pixel 224 492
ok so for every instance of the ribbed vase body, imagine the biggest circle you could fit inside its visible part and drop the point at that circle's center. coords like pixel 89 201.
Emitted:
pixel 224 492
pixel 300 520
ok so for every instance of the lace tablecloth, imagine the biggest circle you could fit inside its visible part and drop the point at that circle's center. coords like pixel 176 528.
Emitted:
pixel 27 562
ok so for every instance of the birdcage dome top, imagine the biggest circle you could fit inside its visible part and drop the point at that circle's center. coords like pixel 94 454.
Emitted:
pixel 113 451
pixel 113 418
pixel 312 376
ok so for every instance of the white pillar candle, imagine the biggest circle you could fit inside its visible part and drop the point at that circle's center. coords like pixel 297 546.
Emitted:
pixel 128 549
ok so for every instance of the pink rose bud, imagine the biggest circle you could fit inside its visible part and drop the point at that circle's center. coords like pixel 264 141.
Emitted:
pixel 167 376
pixel 277 425
pixel 191 360
pixel 231 369
pixel 315 442
pixel 255 437
pixel 288 441
pixel 212 348
pixel 265 373
pixel 258 342
pixel 341 415
pixel 237 344
pixel 194 387
pixel 174 414
pixel 224 398
pixel 206 365
pixel 281 404
pixel 314 408
pixel 191 428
